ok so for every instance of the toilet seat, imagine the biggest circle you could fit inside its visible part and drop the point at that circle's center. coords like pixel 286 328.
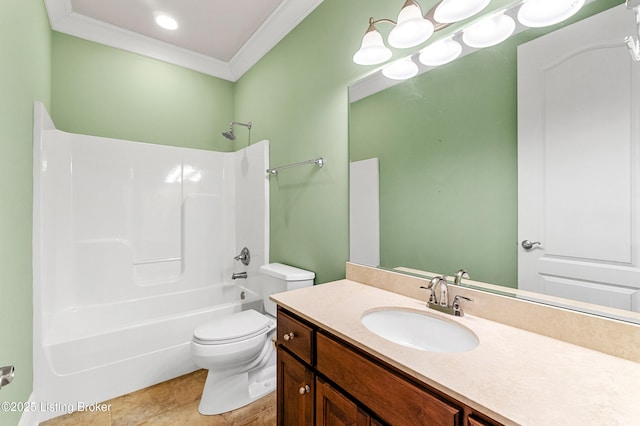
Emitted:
pixel 234 328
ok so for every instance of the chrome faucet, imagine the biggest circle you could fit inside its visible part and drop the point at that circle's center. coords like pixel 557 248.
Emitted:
pixel 443 305
pixel 460 275
pixel 444 292
pixel 237 275
pixel 444 289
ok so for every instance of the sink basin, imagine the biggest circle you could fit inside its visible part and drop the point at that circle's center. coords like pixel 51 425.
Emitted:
pixel 420 331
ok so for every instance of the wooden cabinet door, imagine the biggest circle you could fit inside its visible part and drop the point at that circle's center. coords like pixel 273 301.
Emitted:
pixel 335 409
pixel 386 395
pixel 296 391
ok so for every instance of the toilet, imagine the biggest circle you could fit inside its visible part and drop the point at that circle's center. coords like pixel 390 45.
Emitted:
pixel 238 350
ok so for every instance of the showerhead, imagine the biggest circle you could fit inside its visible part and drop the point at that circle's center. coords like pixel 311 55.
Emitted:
pixel 229 133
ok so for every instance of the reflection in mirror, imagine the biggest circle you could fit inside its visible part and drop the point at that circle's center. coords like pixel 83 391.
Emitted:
pixel 447 144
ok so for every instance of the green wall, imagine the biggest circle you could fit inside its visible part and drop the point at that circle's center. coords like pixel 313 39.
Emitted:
pixel 448 175
pixel 102 91
pixel 25 46
pixel 297 97
pixel 447 143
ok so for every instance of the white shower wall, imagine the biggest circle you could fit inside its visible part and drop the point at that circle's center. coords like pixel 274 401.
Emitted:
pixel 123 216
pixel 125 220
pixel 120 226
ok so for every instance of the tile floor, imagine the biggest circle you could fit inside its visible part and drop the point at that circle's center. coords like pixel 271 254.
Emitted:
pixel 171 403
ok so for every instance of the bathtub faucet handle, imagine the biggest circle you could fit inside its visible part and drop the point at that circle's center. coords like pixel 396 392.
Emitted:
pixel 244 257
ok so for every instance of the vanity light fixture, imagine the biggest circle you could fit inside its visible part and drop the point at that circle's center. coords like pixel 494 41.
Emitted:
pixel 542 13
pixel 372 51
pixel 449 11
pixel 165 21
pixel 440 53
pixel 490 31
pixel 411 29
pixel 401 69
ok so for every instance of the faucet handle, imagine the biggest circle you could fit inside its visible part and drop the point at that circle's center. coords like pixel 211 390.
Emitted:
pixel 457 310
pixel 244 257
pixel 432 297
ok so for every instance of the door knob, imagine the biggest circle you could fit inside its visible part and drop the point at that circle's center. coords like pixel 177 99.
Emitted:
pixel 6 375
pixel 528 245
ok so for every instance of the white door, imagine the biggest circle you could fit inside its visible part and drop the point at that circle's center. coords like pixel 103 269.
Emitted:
pixel 578 163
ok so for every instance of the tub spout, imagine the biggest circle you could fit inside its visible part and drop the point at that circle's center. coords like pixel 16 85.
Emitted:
pixel 237 275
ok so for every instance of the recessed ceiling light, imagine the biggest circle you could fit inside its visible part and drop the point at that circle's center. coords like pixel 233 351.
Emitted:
pixel 166 21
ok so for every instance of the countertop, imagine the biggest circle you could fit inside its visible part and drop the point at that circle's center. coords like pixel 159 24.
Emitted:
pixel 514 376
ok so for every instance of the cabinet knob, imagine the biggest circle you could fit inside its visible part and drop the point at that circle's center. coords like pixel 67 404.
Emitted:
pixel 288 336
pixel 304 390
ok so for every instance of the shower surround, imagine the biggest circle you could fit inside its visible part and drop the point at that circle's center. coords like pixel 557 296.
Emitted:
pixel 133 249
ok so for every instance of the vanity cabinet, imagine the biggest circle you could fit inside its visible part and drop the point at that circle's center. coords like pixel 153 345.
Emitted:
pixel 296 391
pixel 391 397
pixel 334 408
pixel 325 381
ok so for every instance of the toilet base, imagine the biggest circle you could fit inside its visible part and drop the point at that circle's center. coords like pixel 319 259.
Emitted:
pixel 223 392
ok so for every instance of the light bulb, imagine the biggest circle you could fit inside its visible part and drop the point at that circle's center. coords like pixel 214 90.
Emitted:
pixel 372 51
pixel 489 32
pixel 401 69
pixel 449 11
pixel 440 52
pixel 411 29
pixel 541 13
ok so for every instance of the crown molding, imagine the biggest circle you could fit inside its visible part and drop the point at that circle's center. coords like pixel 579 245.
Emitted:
pixel 284 19
pixel 281 22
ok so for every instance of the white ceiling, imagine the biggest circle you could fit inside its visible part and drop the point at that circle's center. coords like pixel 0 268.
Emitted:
pixel 222 38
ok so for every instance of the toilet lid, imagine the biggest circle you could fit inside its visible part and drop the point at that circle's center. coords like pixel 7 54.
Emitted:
pixel 239 326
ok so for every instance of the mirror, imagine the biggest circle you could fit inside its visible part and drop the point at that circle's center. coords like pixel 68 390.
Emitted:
pixel 447 143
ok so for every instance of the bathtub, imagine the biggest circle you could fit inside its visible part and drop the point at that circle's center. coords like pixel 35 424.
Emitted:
pixel 133 248
pixel 145 342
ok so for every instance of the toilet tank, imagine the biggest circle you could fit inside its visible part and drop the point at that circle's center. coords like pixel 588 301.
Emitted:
pixel 278 277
